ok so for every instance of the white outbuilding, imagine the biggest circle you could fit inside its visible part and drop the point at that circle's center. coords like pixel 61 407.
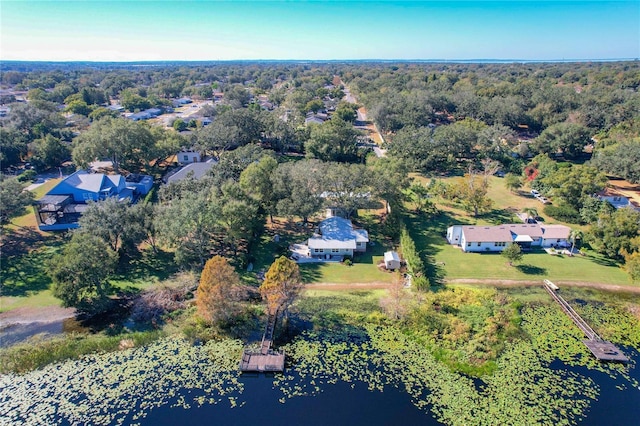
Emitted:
pixel 391 260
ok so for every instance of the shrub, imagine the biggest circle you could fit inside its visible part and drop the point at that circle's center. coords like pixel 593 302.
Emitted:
pixel 415 266
pixel 410 254
pixel 27 175
pixel 421 283
pixel 563 212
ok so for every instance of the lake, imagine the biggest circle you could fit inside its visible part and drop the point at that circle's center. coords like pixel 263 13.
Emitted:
pixel 172 382
pixel 373 373
pixel 337 404
pixel 353 404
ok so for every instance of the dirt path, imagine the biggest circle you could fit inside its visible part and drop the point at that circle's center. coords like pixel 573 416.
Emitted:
pixel 28 315
pixel 521 283
pixel 487 282
pixel 21 324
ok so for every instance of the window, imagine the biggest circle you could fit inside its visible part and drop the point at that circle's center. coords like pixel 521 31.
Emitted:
pixel 316 251
pixel 468 244
pixel 186 158
pixel 479 244
pixel 335 250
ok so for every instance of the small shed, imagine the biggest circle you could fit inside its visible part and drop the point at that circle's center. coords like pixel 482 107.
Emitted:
pixel 391 260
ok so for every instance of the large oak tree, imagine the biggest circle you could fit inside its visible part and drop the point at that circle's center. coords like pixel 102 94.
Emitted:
pixel 128 144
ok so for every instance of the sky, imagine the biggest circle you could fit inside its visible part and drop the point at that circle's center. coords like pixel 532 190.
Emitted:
pixel 85 30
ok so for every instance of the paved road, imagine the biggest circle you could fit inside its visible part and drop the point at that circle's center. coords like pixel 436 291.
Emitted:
pixel 361 122
pixel 348 96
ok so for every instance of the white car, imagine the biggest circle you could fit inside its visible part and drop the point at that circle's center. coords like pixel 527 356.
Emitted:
pixel 544 200
pixel 535 193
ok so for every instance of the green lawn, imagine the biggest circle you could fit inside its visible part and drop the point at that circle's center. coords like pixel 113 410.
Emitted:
pixel 449 262
pixel 364 269
pixel 505 205
pixel 342 274
pixel 25 281
pixel 146 270
pixel 534 266
pixel 33 300
pixel 28 219
pixel 452 263
pixel 25 253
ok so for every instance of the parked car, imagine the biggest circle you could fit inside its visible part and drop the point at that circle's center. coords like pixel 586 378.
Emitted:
pixel 544 200
pixel 535 193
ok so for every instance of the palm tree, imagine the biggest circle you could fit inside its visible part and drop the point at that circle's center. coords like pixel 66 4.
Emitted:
pixel 531 213
pixel 574 235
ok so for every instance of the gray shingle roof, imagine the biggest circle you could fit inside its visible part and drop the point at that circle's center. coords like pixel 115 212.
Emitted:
pixel 509 232
pixel 198 170
pixel 556 231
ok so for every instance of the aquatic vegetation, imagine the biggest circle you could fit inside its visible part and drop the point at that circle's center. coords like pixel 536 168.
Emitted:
pixel 522 387
pixel 119 387
pixel 34 354
pixel 554 336
pixel 522 391
pixel 349 340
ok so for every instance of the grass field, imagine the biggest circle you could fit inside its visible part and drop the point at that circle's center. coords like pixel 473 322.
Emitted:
pixel 363 270
pixel 535 265
pixel 452 263
pixel 505 205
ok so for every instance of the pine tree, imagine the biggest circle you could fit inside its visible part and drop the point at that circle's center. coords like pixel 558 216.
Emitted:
pixel 281 285
pixel 219 293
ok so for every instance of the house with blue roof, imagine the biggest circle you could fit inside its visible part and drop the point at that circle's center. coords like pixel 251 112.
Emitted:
pixel 63 205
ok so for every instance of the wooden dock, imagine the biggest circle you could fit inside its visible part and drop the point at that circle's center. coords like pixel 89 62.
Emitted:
pixel 267 359
pixel 601 349
pixel 257 362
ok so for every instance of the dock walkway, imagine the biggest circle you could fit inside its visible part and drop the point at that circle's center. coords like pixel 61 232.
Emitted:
pixel 267 359
pixel 601 349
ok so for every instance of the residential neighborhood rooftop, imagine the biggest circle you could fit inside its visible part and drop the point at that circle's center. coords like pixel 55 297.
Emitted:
pixel 196 170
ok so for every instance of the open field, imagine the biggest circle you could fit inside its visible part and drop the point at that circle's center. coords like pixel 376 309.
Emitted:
pixel 505 205
pixel 534 265
pixel 338 273
pixel 451 263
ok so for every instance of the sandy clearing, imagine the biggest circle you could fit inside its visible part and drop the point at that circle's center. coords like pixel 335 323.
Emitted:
pixel 28 315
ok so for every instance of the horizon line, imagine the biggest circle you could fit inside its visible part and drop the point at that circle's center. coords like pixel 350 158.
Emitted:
pixel 437 60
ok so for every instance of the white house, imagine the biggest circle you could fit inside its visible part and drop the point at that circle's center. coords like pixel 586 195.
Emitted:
pixel 337 237
pixel 496 238
pixel 616 199
pixel 391 260
pixel 187 157
pixel 181 101
pixel 145 115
